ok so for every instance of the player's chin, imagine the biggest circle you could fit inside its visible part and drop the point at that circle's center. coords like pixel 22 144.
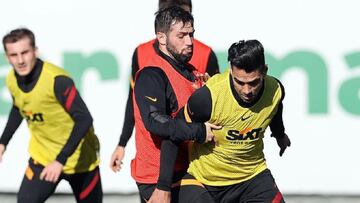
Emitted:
pixel 186 58
pixel 188 52
pixel 22 71
pixel 247 99
pixel 190 55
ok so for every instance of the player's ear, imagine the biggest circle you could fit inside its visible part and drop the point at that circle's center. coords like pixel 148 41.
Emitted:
pixel 161 37
pixel 36 52
pixel 266 69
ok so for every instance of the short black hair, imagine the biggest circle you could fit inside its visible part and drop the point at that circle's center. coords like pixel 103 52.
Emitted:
pixel 247 55
pixel 168 3
pixel 167 17
pixel 17 34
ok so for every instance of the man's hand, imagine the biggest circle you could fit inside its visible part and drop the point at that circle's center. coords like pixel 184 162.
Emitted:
pixel 209 134
pixel 283 143
pixel 51 172
pixel 201 79
pixel 160 196
pixel 2 150
pixel 116 158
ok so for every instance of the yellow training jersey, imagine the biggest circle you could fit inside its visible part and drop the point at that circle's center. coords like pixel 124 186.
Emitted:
pixel 50 125
pixel 238 154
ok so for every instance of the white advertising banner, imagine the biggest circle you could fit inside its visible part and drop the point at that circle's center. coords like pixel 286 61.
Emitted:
pixel 313 47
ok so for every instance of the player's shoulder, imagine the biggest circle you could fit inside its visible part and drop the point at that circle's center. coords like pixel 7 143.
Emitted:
pixel 199 43
pixel 275 83
pixel 274 80
pixel 147 43
pixel 54 70
pixel 151 72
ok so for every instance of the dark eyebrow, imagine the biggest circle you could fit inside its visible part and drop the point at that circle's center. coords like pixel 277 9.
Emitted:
pixel 255 81
pixel 185 33
pixel 238 81
pixel 241 82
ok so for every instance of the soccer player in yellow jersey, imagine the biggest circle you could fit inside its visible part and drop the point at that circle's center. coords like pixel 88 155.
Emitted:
pixel 244 100
pixel 63 144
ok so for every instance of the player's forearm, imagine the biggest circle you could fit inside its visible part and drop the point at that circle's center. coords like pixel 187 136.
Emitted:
pixel 80 129
pixel 129 121
pixel 173 128
pixel 12 125
pixel 168 155
pixel 277 125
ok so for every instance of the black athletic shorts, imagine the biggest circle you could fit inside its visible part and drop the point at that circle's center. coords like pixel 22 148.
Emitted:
pixel 187 190
pixel 261 189
pixel 86 186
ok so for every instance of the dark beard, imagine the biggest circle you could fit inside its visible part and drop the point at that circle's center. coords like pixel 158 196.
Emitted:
pixel 182 58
